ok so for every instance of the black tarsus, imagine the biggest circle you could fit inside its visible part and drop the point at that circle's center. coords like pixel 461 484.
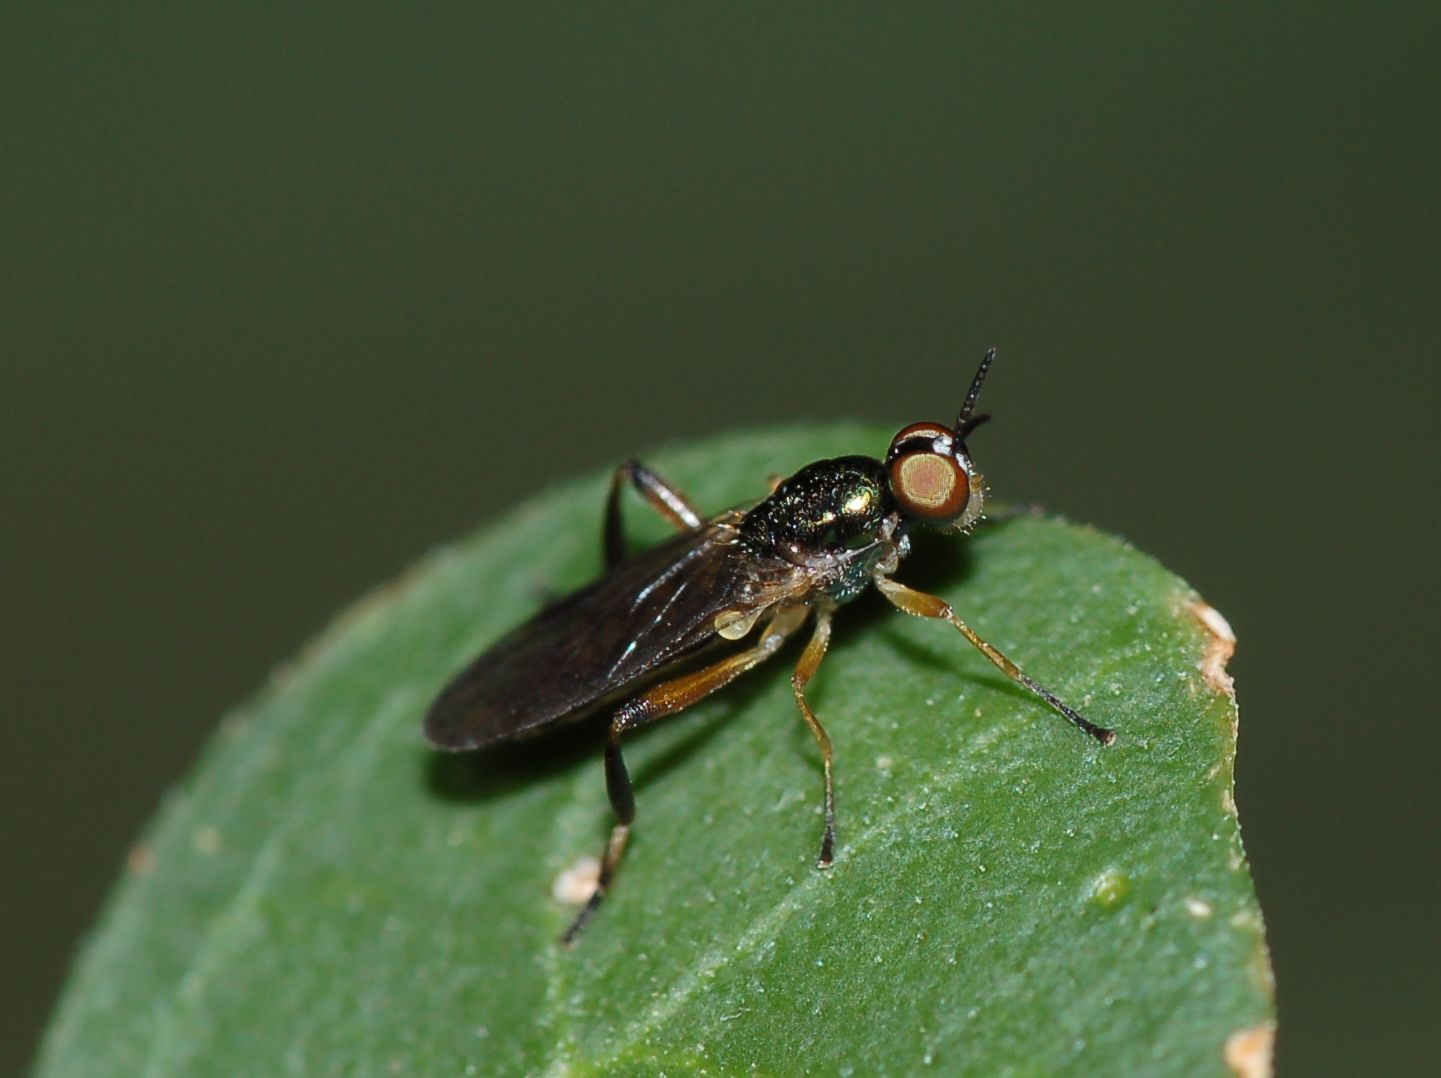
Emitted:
pixel 1100 733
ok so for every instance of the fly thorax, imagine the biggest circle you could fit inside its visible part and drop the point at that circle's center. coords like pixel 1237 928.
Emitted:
pixel 850 574
pixel 827 507
pixel 833 518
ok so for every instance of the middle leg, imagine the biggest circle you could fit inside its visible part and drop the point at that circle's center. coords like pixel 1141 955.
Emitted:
pixel 805 670
pixel 655 703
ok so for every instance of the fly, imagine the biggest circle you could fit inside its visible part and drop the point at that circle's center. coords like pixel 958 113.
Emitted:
pixel 817 541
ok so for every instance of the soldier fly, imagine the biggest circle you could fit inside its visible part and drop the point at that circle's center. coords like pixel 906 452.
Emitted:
pixel 817 541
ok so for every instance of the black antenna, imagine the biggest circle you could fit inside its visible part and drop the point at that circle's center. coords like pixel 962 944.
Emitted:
pixel 964 423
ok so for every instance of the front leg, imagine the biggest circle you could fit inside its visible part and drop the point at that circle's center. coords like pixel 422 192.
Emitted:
pixel 663 498
pixel 929 606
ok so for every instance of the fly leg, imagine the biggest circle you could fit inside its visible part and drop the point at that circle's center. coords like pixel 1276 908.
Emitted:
pixel 663 498
pixel 655 703
pixel 929 606
pixel 805 670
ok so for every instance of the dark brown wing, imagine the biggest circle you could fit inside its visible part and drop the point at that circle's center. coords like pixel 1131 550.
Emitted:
pixel 646 612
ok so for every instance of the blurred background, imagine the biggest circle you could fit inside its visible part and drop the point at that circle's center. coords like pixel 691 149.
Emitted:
pixel 289 296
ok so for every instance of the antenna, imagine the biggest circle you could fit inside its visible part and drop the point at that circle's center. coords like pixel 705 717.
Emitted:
pixel 964 423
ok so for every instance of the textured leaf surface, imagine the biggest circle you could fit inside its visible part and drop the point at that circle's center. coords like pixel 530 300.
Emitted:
pixel 327 896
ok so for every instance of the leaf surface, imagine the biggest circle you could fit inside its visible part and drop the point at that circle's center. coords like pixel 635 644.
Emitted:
pixel 325 895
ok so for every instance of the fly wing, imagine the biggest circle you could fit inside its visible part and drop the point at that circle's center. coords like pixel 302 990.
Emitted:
pixel 646 612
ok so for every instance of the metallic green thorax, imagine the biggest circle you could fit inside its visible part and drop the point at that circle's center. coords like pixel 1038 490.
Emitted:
pixel 832 507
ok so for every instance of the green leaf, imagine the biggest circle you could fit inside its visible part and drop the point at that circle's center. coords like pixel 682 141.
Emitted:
pixel 328 896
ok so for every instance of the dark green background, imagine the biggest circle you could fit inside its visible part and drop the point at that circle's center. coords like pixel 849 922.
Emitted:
pixel 287 296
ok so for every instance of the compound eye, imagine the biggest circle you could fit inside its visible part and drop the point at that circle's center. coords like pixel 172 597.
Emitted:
pixel 930 486
pixel 920 437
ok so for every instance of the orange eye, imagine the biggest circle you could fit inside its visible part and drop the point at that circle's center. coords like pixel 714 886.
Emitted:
pixel 920 436
pixel 929 485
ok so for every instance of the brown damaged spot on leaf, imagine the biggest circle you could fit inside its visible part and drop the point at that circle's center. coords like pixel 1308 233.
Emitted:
pixel 1248 1051
pixel 1219 650
pixel 140 861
